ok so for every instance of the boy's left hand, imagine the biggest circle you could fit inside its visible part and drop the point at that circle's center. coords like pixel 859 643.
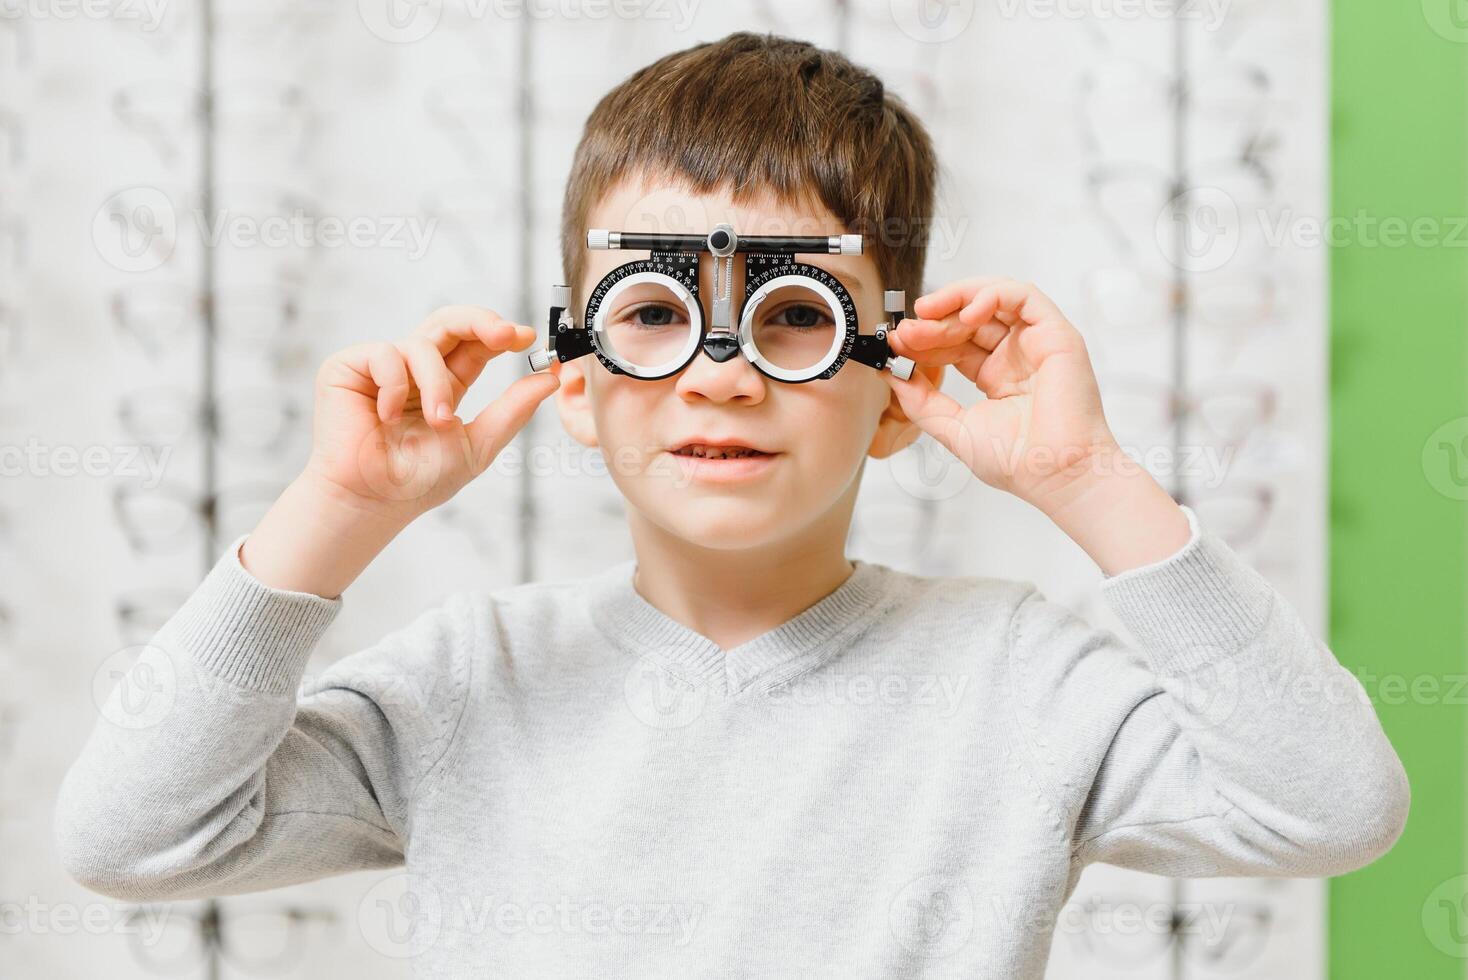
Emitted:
pixel 1039 433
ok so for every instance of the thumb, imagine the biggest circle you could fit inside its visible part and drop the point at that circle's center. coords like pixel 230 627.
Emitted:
pixel 499 421
pixel 937 414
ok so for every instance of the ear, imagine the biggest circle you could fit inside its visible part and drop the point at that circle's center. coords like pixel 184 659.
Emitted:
pixel 573 400
pixel 895 431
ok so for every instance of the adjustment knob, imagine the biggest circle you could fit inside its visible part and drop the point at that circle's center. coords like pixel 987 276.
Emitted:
pixel 900 366
pixel 722 241
pixel 539 359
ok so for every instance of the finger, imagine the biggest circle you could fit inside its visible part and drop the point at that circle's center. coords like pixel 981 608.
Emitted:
pixel 947 354
pixel 466 362
pixel 390 374
pixel 449 326
pixel 930 409
pixel 1039 327
pixel 493 428
pixel 432 377
pixel 949 299
pixel 1010 296
pixel 951 331
pixel 470 336
pixel 367 370
pixel 971 362
pixel 924 334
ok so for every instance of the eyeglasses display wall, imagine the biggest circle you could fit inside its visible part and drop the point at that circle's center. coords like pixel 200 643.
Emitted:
pixel 195 209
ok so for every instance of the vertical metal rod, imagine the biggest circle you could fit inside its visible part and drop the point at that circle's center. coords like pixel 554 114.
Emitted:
pixel 525 303
pixel 1181 198
pixel 207 276
pixel 209 327
pixel 1180 312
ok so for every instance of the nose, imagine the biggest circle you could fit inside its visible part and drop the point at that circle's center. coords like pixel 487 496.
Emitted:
pixel 723 375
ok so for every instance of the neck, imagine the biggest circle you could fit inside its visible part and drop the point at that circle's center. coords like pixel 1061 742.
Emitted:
pixel 733 595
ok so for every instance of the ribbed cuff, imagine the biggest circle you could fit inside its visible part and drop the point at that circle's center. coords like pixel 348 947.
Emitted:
pixel 1186 610
pixel 248 633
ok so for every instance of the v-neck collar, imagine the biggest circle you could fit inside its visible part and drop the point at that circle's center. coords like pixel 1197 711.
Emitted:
pixel 643 630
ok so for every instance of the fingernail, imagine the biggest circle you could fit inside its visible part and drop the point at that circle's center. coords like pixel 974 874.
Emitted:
pixel 444 412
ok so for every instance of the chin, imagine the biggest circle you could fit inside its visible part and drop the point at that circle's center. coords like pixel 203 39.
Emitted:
pixel 723 523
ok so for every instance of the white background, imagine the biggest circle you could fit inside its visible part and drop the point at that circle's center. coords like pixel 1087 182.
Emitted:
pixel 469 113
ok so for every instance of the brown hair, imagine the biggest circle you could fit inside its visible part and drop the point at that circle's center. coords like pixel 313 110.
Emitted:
pixel 760 112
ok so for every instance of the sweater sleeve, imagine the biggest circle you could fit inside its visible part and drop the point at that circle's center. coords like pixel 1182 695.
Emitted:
pixel 1230 741
pixel 218 768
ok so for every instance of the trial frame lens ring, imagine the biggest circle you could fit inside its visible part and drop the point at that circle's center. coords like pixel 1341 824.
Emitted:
pixel 751 307
pixel 695 325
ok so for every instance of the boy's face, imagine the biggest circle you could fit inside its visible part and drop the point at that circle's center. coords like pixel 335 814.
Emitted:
pixel 817 433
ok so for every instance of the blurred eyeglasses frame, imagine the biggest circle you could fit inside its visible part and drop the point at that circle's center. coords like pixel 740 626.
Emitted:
pixel 769 262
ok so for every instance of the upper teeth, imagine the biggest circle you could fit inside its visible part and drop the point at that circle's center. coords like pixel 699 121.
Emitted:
pixel 717 452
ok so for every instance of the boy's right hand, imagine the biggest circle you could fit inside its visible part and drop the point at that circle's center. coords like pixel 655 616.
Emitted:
pixel 385 437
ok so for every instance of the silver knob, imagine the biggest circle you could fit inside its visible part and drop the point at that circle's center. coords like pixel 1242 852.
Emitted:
pixel 850 244
pixel 895 301
pixel 539 359
pixel 561 296
pixel 722 241
pixel 598 238
pixel 900 366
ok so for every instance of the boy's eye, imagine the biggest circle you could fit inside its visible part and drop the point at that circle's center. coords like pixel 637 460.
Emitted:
pixel 802 316
pixel 652 315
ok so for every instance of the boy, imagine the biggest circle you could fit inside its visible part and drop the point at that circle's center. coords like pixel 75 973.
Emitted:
pixel 516 750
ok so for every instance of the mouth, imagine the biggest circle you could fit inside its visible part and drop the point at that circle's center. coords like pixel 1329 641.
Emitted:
pixel 723 462
pixel 701 450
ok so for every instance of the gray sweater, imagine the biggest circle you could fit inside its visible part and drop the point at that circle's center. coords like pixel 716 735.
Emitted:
pixel 905 779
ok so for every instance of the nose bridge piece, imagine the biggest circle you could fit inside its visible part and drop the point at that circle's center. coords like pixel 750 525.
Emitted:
pixel 721 347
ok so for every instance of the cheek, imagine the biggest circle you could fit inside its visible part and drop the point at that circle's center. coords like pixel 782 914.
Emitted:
pixel 862 395
pixel 838 415
pixel 624 410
